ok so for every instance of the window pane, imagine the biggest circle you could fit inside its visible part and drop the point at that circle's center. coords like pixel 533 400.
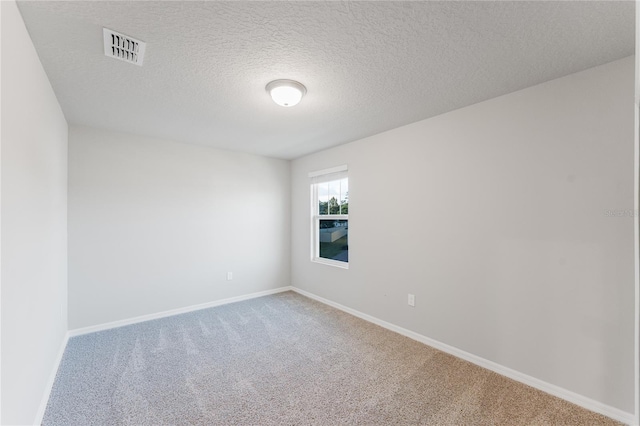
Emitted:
pixel 334 239
pixel 344 196
pixel 334 197
pixel 323 198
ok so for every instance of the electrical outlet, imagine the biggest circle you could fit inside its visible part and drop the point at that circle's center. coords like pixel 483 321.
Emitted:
pixel 411 300
pixel 229 276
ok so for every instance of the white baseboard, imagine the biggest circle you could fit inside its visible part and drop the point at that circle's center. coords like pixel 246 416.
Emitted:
pixel 52 379
pixel 549 388
pixel 149 317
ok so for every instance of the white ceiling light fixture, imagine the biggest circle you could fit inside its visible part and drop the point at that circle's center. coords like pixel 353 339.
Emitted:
pixel 286 93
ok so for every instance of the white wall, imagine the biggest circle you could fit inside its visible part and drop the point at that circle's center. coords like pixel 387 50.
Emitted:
pixel 494 217
pixel 33 224
pixel 156 225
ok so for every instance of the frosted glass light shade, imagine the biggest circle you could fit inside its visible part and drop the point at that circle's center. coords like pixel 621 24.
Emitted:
pixel 286 93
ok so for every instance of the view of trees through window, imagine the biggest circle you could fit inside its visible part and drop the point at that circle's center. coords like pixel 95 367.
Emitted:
pixel 333 206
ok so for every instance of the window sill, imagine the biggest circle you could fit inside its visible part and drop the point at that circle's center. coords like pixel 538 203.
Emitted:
pixel 336 263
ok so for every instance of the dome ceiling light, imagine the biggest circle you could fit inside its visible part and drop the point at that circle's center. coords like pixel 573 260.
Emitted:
pixel 286 93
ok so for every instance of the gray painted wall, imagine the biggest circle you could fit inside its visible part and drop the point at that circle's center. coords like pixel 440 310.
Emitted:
pixel 495 217
pixel 156 225
pixel 33 225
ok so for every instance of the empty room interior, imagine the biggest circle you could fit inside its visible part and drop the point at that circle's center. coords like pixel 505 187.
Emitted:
pixel 177 185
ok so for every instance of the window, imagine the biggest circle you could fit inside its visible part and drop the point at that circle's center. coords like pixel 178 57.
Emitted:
pixel 330 216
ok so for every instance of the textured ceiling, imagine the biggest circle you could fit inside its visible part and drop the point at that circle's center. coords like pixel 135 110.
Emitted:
pixel 368 66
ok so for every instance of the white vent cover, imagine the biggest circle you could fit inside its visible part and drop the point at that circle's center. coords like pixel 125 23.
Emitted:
pixel 125 48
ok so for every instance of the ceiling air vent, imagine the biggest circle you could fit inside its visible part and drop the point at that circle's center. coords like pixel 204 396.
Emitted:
pixel 125 48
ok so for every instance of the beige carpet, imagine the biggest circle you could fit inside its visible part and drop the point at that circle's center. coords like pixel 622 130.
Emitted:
pixel 284 359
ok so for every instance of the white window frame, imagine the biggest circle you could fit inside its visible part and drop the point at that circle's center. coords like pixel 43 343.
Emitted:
pixel 321 176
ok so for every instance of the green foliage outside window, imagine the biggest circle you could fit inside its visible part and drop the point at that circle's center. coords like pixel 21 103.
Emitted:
pixel 333 206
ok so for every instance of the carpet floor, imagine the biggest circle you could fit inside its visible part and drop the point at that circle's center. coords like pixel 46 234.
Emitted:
pixel 284 359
